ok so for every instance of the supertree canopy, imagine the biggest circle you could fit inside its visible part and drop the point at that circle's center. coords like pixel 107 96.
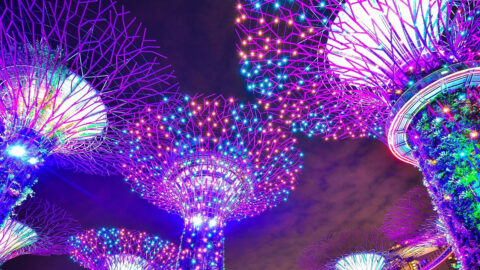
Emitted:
pixel 401 71
pixel 37 227
pixel 412 219
pixel 211 161
pixel 122 249
pixel 413 223
pixel 365 249
pixel 71 72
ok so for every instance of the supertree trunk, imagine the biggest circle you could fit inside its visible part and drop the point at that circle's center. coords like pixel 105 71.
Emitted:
pixel 202 246
pixel 21 158
pixel 15 186
pixel 444 137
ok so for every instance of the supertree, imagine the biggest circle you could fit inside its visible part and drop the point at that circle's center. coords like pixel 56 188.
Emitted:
pixel 366 249
pixel 37 227
pixel 212 161
pixel 71 73
pixel 400 71
pixel 413 223
pixel 122 249
pixel 412 219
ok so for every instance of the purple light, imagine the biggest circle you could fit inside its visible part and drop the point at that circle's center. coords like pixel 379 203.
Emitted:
pixel 37 228
pixel 122 249
pixel 210 160
pixel 413 221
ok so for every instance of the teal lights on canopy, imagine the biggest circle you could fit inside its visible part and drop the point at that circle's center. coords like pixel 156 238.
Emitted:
pixel 211 160
pixel 122 249
pixel 335 68
pixel 251 162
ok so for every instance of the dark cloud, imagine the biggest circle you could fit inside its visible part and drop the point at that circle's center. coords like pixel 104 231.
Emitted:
pixel 345 185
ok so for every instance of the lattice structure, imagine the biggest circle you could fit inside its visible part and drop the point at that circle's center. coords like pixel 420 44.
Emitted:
pixel 212 160
pixel 413 223
pixel 366 249
pixel 122 249
pixel 346 87
pixel 71 72
pixel 401 71
pixel 37 228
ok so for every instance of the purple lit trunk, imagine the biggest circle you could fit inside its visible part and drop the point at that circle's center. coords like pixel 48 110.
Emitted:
pixel 201 247
pixel 16 181
pixel 444 137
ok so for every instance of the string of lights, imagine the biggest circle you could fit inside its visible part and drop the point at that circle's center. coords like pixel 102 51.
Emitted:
pixel 122 249
pixel 367 249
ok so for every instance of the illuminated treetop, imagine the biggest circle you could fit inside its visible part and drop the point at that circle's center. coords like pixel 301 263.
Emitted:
pixel 212 157
pixel 416 227
pixel 366 249
pixel 337 68
pixel 413 220
pixel 122 249
pixel 72 72
pixel 38 228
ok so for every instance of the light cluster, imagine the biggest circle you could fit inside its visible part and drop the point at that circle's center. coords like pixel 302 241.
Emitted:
pixel 405 72
pixel 366 249
pixel 211 160
pixel 37 227
pixel 115 249
pixel 336 68
pixel 444 141
pixel 284 62
pixel 71 74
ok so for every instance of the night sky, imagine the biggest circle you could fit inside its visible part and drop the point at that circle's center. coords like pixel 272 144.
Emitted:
pixel 346 184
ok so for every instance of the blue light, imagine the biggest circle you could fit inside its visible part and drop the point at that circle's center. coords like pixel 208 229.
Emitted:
pixel 212 222
pixel 17 151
